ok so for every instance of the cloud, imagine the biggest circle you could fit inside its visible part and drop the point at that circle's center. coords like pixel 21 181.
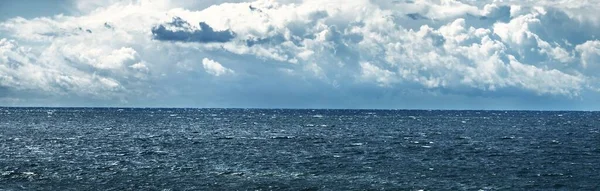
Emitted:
pixel 490 49
pixel 381 76
pixel 590 54
pixel 185 33
pixel 215 68
pixel 21 70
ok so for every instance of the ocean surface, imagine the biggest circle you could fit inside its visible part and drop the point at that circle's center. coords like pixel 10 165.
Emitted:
pixel 280 149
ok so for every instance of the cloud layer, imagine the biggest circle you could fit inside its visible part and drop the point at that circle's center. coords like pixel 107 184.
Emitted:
pixel 311 53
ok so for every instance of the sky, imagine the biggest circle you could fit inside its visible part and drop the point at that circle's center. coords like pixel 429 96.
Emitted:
pixel 359 54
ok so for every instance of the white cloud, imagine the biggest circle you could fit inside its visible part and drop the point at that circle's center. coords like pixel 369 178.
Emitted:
pixel 123 49
pixel 381 76
pixel 141 66
pixel 544 81
pixel 22 70
pixel 590 54
pixel 215 68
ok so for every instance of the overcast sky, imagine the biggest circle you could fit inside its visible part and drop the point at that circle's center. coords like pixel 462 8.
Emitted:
pixel 388 54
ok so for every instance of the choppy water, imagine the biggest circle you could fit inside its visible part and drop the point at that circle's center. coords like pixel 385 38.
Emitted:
pixel 250 149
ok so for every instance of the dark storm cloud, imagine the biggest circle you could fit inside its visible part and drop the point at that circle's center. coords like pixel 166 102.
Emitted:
pixel 206 34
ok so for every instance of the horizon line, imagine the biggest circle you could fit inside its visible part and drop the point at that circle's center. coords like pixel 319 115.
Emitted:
pixel 294 108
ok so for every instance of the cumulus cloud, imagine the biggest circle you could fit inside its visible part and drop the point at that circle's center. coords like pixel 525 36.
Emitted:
pixel 125 49
pixel 22 70
pixel 590 53
pixel 215 68
pixel 371 72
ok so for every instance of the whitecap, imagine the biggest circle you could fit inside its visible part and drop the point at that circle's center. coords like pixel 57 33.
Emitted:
pixel 282 137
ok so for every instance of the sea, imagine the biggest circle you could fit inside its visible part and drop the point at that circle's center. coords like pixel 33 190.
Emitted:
pixel 297 149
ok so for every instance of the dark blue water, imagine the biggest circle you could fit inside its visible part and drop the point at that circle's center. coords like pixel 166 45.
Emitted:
pixel 249 149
